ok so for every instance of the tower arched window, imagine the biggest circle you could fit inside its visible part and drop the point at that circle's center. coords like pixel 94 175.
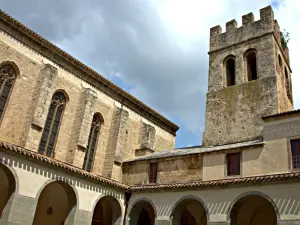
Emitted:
pixel 92 143
pixel 288 87
pixel 230 71
pixel 7 79
pixel 279 61
pixel 52 124
pixel 251 65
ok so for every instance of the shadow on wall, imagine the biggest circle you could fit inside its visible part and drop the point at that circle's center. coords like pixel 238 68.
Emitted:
pixel 49 173
pixel 284 205
pixel 219 159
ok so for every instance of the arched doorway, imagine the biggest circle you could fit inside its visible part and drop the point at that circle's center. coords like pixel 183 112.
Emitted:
pixel 7 190
pixel 253 210
pixel 189 211
pixel 107 212
pixel 142 213
pixel 56 205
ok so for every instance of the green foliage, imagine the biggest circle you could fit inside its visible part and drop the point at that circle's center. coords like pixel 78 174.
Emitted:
pixel 285 38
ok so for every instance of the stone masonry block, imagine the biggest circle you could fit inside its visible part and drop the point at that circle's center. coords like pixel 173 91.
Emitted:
pixel 147 136
pixel 89 98
pixel 233 36
pixel 248 18
pixel 122 117
pixel 43 93
pixel 231 26
pixel 116 141
pixel 81 124
pixel 267 13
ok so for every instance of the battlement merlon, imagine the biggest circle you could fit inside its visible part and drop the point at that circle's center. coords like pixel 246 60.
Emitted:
pixel 249 29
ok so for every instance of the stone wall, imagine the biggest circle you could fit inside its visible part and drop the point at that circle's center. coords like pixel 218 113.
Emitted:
pixel 170 170
pixel 233 113
pixel 28 106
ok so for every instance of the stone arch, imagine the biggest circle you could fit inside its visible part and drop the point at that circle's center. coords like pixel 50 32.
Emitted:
pixel 100 116
pixel 189 209
pixel 9 186
pixel 250 59
pixel 93 141
pixel 249 205
pixel 142 212
pixel 8 76
pixel 230 71
pixel 64 92
pixel 14 65
pixel 107 210
pixel 53 122
pixel 57 201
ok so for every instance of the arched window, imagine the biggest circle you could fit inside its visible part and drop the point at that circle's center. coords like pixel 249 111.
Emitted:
pixel 251 65
pixel 230 71
pixel 52 125
pixel 7 79
pixel 279 61
pixel 92 143
pixel 288 88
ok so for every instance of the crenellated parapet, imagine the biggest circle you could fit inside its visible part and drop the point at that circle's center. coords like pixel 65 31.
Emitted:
pixel 249 29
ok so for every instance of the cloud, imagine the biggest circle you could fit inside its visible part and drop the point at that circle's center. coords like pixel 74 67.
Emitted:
pixel 155 49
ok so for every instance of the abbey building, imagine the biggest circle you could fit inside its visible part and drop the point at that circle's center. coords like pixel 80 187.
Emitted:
pixel 75 149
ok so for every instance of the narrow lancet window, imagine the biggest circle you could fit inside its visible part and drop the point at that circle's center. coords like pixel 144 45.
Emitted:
pixel 52 125
pixel 7 79
pixel 295 148
pixel 251 65
pixel 288 87
pixel 153 173
pixel 92 143
pixel 230 71
pixel 233 164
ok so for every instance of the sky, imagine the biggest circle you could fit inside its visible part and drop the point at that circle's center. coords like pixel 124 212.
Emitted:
pixel 154 49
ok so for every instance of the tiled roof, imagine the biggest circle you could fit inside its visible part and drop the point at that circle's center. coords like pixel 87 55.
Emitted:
pixel 138 188
pixel 195 150
pixel 222 182
pixel 283 114
pixel 45 46
pixel 63 165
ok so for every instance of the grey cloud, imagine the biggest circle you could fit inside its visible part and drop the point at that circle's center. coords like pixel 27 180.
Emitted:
pixel 127 38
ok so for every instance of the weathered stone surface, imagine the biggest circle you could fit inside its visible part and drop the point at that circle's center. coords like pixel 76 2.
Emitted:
pixel 147 136
pixel 27 109
pixel 170 170
pixel 234 113
pixel 81 127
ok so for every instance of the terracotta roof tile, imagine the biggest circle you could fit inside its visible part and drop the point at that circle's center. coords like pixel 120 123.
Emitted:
pixel 63 165
pixel 222 182
pixel 152 187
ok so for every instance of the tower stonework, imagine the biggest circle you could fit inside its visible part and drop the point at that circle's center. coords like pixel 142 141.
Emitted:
pixel 249 77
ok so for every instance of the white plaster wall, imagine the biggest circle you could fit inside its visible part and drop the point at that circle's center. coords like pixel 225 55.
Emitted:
pixel 218 200
pixel 32 177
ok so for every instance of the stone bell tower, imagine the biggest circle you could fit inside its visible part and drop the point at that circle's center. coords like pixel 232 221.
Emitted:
pixel 249 77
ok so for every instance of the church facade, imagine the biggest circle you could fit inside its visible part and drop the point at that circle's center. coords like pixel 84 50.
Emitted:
pixel 75 149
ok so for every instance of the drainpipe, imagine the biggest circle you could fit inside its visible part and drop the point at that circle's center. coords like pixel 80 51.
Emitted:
pixel 127 197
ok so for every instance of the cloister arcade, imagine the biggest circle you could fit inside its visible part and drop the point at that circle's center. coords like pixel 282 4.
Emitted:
pixel 58 202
